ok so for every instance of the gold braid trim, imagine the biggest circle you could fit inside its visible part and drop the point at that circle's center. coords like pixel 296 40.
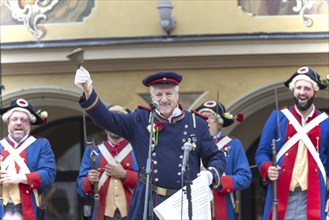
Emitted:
pixel 215 185
pixel 92 105
pixel 150 116
pixel 194 122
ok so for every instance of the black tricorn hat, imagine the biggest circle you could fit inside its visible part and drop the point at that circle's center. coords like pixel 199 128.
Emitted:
pixel 306 72
pixel 162 78
pixel 24 106
pixel 216 108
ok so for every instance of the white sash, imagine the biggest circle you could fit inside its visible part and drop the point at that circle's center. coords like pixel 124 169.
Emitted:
pixel 223 142
pixel 14 156
pixel 302 135
pixel 109 158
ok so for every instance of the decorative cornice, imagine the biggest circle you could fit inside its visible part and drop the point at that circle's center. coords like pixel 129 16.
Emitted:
pixel 164 40
pixel 180 54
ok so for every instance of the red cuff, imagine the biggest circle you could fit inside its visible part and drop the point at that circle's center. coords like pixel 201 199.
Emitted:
pixel 264 169
pixel 227 184
pixel 131 179
pixel 33 180
pixel 87 187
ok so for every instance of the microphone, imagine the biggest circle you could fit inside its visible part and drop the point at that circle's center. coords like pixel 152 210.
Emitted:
pixel 187 147
pixel 154 105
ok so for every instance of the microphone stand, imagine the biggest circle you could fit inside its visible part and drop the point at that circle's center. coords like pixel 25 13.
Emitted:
pixel 188 183
pixel 148 202
pixel 187 147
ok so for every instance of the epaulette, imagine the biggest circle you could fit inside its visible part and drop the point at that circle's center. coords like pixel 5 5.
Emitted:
pixel 200 115
pixel 144 107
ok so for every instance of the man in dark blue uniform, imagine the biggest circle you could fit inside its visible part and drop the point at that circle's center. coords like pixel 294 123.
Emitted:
pixel 172 128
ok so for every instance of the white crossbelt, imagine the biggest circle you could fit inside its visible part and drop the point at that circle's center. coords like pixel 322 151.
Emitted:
pixel 225 140
pixel 302 135
pixel 220 144
pixel 112 160
pixel 14 156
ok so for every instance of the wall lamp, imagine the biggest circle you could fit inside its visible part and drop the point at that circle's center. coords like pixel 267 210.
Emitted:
pixel 168 23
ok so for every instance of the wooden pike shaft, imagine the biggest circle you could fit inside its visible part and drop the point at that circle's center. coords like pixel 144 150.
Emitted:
pixel 85 88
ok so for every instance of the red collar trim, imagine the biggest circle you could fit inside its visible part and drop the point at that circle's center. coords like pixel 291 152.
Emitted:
pixel 164 81
pixel 118 146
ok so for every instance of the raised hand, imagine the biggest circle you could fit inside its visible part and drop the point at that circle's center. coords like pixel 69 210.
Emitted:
pixel 83 80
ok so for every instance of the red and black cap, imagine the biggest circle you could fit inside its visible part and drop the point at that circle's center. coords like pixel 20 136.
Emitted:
pixel 24 106
pixel 306 73
pixel 162 78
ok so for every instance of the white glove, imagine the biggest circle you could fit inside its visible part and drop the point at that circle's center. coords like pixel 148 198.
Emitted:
pixel 13 178
pixel 82 77
pixel 207 174
pixel 9 215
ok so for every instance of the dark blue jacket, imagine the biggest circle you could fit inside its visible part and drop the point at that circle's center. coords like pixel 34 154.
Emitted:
pixel 167 154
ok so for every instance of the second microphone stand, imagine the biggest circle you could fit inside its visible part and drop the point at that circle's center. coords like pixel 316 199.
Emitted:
pixel 148 202
pixel 188 184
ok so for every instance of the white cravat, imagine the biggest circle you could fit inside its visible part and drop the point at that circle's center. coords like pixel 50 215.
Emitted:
pixel 15 143
pixel 175 113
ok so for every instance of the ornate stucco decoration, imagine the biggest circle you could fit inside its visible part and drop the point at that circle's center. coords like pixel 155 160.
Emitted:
pixel 304 5
pixel 303 8
pixel 30 12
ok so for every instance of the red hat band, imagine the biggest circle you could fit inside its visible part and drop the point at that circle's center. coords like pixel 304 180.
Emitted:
pixel 162 80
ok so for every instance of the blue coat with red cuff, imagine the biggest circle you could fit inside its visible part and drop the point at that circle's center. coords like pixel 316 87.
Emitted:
pixel 128 163
pixel 40 160
pixel 319 136
pixel 237 177
pixel 167 154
